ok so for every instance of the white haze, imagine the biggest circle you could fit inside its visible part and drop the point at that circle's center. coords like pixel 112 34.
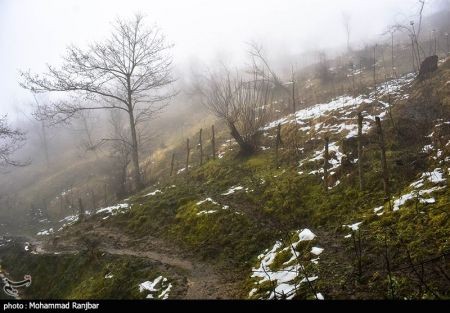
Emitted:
pixel 36 32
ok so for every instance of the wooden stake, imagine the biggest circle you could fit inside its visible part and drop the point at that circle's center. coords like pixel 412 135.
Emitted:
pixel 172 164
pixel 188 150
pixel 213 143
pixel 383 159
pixel 360 160
pixel 278 142
pixel 80 210
pixel 325 165
pixel 201 146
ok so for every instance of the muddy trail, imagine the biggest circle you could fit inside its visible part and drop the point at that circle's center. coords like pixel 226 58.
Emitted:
pixel 203 280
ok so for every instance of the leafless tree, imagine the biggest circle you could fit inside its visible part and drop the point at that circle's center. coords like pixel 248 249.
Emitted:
pixel 130 72
pixel 346 19
pixel 10 141
pixel 413 33
pixel 244 105
pixel 120 153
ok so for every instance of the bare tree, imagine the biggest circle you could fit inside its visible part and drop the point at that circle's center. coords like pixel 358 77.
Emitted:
pixel 346 19
pixel 130 72
pixel 242 105
pixel 120 153
pixel 10 141
pixel 413 33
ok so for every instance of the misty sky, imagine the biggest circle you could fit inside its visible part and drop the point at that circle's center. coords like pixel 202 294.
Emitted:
pixel 35 32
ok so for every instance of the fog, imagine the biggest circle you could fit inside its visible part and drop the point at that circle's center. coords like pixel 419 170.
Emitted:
pixel 205 34
pixel 33 33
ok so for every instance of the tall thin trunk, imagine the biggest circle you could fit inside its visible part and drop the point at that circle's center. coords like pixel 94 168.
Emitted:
pixel 45 143
pixel 134 147
pixel 326 164
pixel 105 200
pixel 360 159
pixel 134 153
pixel 213 143
pixel 278 142
pixel 172 164
pixel 375 67
pixel 188 150
pixel 80 210
pixel 383 159
pixel 201 146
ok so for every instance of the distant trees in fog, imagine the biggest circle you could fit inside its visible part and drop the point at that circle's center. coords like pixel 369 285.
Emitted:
pixel 129 72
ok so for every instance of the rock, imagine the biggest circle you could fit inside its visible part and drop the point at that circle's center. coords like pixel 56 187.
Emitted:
pixel 429 65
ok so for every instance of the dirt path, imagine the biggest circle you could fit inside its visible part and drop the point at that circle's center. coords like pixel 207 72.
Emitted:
pixel 203 281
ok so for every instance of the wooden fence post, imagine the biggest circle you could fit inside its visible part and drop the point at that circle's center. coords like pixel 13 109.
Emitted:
pixel 213 143
pixel 383 159
pixel 360 160
pixel 278 142
pixel 80 210
pixel 201 146
pixel 188 150
pixel 325 164
pixel 172 164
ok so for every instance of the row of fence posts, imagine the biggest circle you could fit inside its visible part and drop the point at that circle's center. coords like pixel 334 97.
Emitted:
pixel 200 146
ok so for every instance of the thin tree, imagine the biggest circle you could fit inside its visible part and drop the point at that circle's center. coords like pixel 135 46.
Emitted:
pixel 242 104
pixel 383 159
pixel 213 142
pixel 130 72
pixel 346 18
pixel 11 140
pixel 360 159
pixel 326 164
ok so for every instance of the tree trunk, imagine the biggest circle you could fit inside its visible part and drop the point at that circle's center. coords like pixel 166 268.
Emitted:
pixel 106 196
pixel 246 148
pixel 278 142
pixel 134 147
pixel 201 146
pixel 360 160
pixel 213 143
pixel 325 164
pixel 172 164
pixel 188 150
pixel 80 210
pixel 383 160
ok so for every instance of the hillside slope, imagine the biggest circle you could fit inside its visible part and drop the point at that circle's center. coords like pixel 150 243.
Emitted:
pixel 265 227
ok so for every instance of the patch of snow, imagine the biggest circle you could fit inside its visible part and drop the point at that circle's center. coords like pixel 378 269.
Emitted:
pixel 316 250
pixel 115 209
pixel 376 210
pixel 353 227
pixel 206 212
pixel 45 232
pixel 306 235
pixel 153 193
pixel 207 200
pixel 158 288
pixel 232 190
pixel 109 276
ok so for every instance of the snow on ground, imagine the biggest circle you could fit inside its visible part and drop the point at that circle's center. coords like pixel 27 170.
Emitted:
pixel 338 117
pixel 289 276
pixel 354 227
pixel 232 190
pixel 115 209
pixel 159 288
pixel 151 194
pixel 205 212
pixel 207 200
pixel 109 276
pixel 45 232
